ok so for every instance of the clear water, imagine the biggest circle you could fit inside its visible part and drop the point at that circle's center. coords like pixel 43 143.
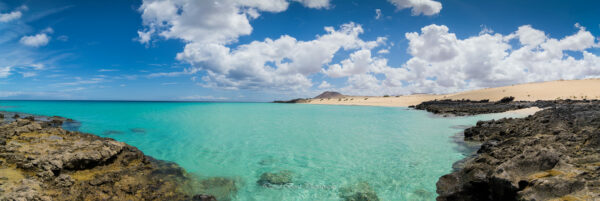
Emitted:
pixel 399 152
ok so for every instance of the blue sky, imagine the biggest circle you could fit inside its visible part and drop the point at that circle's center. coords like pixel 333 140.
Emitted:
pixel 260 50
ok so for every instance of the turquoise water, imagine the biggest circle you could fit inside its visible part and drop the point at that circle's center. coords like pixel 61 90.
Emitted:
pixel 399 152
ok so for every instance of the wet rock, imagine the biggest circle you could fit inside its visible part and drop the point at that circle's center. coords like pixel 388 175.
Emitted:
pixel 204 198
pixel 275 178
pixel 64 165
pixel 221 188
pixel 361 191
pixel 550 155
pixel 468 107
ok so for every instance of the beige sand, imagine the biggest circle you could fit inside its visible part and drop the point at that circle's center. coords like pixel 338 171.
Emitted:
pixel 568 89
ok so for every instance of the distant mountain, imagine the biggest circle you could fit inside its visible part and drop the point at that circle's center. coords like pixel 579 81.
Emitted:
pixel 329 94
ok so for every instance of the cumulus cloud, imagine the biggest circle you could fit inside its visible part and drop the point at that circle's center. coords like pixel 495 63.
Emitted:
pixel 37 40
pixel 315 3
pixel 419 7
pixel 209 26
pixel 442 63
pixel 14 15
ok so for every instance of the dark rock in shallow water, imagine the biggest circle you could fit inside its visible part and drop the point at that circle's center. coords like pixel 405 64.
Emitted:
pixel 361 191
pixel 204 198
pixel 138 130
pixel 49 163
pixel 223 189
pixel 112 132
pixel 554 154
pixel 277 178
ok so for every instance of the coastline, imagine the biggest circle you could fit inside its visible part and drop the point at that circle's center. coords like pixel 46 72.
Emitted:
pixel 23 137
pixel 550 155
pixel 548 91
pixel 40 160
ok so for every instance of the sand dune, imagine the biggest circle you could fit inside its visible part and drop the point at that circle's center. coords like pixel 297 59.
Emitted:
pixel 567 89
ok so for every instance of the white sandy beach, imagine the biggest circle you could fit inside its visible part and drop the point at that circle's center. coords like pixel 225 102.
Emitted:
pixel 552 90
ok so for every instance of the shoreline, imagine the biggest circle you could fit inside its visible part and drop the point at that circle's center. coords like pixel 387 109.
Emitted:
pixel 46 174
pixel 531 92
pixel 42 161
pixel 550 155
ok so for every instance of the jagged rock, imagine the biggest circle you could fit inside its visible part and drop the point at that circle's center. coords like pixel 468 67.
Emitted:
pixel 553 154
pixel 48 162
pixel 275 178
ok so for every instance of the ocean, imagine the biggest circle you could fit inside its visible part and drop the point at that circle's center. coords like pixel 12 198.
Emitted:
pixel 399 153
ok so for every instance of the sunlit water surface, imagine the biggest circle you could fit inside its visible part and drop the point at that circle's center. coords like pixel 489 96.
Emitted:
pixel 399 152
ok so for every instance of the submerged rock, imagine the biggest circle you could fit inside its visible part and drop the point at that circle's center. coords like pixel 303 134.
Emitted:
pixel 276 178
pixel 221 188
pixel 44 162
pixel 138 130
pixel 112 132
pixel 361 191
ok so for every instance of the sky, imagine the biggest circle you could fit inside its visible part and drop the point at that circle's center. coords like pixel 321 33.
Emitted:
pixel 262 50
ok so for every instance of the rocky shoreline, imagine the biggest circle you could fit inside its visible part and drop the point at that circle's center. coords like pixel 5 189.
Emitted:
pixel 551 155
pixel 39 160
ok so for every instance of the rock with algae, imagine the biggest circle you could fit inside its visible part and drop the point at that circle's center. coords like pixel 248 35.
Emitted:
pixel 41 161
pixel 360 191
pixel 275 178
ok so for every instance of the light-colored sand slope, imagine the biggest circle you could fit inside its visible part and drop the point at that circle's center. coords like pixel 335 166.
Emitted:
pixel 568 89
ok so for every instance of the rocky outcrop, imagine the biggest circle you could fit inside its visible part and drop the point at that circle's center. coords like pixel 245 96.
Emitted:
pixel 41 161
pixel 469 107
pixel 552 155
pixel 297 100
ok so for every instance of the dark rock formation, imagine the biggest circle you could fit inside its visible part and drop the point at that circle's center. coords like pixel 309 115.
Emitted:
pixel 41 161
pixel 469 107
pixel 329 94
pixel 554 154
pixel 297 100
pixel 275 178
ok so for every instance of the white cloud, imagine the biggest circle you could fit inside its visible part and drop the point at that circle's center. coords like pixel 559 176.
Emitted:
pixel 5 71
pixel 442 63
pixel 200 97
pixel 283 63
pixel 208 27
pixel 315 3
pixel 37 40
pixel 378 14
pixel 14 15
pixel 7 17
pixel 419 7
pixel 324 85
pixel 107 70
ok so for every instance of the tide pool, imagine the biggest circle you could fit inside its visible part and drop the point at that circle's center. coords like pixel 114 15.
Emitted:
pixel 399 152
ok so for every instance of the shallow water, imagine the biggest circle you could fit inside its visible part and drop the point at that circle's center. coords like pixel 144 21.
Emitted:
pixel 399 152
